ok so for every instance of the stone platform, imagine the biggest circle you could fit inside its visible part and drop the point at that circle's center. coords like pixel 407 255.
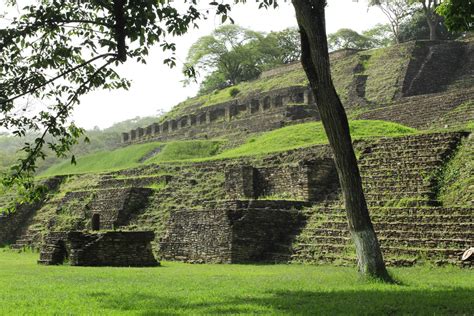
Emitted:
pixel 117 249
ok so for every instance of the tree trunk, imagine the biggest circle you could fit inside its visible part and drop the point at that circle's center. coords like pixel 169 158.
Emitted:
pixel 431 19
pixel 432 23
pixel 315 60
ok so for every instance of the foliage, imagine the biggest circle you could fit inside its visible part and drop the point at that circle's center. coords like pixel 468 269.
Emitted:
pixel 380 35
pixel 205 289
pixel 456 181
pixel 234 92
pixel 396 11
pixel 231 50
pixel 415 28
pixel 428 7
pixel 58 51
pixel 232 54
pixel 458 14
pixel 347 38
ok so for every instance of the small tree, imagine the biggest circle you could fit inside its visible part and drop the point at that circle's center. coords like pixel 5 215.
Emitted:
pixel 432 18
pixel 347 38
pixel 380 35
pixel 396 12
pixel 231 50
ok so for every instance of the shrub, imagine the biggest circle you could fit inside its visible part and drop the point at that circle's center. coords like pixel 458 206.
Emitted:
pixel 233 92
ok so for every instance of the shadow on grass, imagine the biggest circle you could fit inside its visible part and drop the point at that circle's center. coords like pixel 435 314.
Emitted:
pixel 454 301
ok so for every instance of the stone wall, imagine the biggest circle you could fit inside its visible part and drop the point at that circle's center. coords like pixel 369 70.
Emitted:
pixel 114 206
pixel 244 115
pixel 233 232
pixel 118 249
pixel 12 224
pixel 433 66
pixel 310 180
pixel 425 111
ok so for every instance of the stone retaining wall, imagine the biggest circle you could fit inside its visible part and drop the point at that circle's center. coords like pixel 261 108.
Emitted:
pixel 308 180
pixel 11 225
pixel 245 115
pixel 254 233
pixel 118 249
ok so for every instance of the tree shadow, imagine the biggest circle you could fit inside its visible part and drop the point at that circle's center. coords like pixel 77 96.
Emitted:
pixel 390 301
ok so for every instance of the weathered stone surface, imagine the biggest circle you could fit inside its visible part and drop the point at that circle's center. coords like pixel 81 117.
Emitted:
pixel 234 232
pixel 118 249
pixel 13 225
pixel 310 180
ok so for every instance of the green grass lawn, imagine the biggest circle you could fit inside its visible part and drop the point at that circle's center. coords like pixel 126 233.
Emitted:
pixel 182 289
pixel 286 138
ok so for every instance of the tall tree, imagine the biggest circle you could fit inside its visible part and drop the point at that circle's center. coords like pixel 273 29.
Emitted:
pixel 230 49
pixel 310 15
pixel 432 18
pixel 347 38
pixel 396 12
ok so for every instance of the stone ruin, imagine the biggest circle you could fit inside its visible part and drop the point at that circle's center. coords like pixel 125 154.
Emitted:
pixel 233 232
pixel 277 106
pixel 115 249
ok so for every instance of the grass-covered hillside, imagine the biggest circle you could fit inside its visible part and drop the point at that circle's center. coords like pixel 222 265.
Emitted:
pixel 282 139
pixel 383 66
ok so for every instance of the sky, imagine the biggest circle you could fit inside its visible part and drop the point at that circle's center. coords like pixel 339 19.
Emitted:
pixel 156 88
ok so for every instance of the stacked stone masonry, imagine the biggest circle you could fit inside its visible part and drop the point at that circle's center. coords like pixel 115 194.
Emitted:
pixel 234 232
pixel 308 180
pixel 117 249
pixel 277 106
pixel 12 225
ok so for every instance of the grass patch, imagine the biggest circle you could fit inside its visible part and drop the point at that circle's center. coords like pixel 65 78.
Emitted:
pixel 291 137
pixel 183 289
pixel 122 158
pixel 130 156
pixel 185 150
pixel 456 182
pixel 307 134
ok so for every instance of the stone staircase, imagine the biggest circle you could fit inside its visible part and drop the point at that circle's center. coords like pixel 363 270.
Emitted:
pixel 422 111
pixel 402 171
pixel 407 235
pixel 399 177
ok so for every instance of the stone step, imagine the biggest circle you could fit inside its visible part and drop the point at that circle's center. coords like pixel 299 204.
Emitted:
pixel 413 202
pixel 397 165
pixel 408 218
pixel 423 171
pixel 400 242
pixel 392 233
pixel 384 159
pixel 432 253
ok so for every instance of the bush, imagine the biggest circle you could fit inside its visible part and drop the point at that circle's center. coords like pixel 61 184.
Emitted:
pixel 233 92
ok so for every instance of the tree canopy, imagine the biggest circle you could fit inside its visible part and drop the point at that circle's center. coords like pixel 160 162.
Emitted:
pixel 232 54
pixel 458 14
pixel 377 36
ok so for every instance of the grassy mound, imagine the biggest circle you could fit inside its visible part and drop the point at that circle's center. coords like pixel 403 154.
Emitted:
pixel 27 288
pixel 301 135
pixel 308 134
pixel 132 156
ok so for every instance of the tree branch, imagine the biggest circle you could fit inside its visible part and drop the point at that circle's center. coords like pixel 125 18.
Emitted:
pixel 57 77
pixel 82 88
